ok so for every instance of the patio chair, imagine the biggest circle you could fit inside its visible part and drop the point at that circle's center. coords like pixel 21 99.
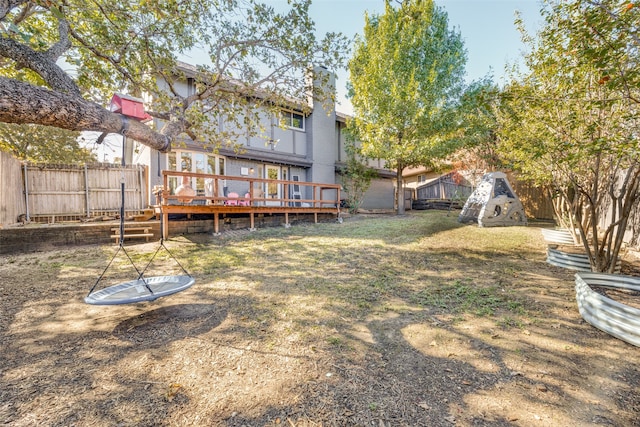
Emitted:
pixel 232 199
pixel 245 201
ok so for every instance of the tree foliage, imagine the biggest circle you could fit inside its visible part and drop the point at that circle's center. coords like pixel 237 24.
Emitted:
pixel 356 175
pixel 406 74
pixel 607 35
pixel 40 144
pixel 132 47
pixel 564 124
pixel 478 130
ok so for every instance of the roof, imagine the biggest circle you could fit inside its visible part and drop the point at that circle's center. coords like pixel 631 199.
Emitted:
pixel 342 117
pixel 192 71
pixel 284 159
pixel 416 171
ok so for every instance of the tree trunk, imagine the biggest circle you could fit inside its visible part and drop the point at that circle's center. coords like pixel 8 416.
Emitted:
pixel 400 191
pixel 24 103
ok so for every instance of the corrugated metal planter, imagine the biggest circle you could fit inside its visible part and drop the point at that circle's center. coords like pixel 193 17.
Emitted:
pixel 560 236
pixel 572 261
pixel 606 314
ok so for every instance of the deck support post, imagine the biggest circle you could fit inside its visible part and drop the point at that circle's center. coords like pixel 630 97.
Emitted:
pixel 216 223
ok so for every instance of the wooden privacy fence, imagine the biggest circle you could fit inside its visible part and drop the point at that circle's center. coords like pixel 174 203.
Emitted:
pixel 50 193
pixel 443 189
pixel 12 203
pixel 535 200
pixel 451 186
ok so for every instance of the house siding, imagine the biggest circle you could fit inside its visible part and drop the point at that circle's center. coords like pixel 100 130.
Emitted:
pixel 380 195
pixel 321 135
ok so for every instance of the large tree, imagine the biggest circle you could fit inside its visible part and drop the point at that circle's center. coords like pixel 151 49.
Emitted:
pixel 564 125
pixel 42 144
pixel 406 74
pixel 256 53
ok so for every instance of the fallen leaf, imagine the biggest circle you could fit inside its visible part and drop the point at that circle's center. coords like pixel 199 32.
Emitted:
pixel 424 405
pixel 172 391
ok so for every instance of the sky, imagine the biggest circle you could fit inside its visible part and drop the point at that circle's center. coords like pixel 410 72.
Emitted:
pixel 487 28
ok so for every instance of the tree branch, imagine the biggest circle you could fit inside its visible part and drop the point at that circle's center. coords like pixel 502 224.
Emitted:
pixel 63 44
pixel 26 11
pixel 39 62
pixel 24 103
pixel 99 54
pixel 7 5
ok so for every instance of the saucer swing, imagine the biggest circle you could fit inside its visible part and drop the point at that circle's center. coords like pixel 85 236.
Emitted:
pixel 142 288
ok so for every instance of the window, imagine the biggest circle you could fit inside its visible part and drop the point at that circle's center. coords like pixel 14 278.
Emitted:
pixel 188 161
pixel 421 178
pixel 204 163
pixel 185 162
pixel 200 161
pixel 192 87
pixel 172 166
pixel 292 120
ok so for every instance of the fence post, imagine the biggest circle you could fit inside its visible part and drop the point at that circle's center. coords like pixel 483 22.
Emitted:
pixel 86 191
pixel 26 191
pixel 140 182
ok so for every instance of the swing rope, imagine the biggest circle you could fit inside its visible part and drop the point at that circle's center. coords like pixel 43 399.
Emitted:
pixel 120 248
pixel 163 246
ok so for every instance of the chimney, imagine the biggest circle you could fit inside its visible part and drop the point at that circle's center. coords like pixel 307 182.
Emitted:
pixel 321 124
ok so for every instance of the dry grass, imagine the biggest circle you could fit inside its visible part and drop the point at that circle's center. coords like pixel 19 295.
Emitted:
pixel 384 321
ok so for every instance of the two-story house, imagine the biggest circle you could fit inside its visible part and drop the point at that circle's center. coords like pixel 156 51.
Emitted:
pixel 296 146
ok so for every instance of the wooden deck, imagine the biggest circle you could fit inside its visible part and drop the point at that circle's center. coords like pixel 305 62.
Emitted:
pixel 282 197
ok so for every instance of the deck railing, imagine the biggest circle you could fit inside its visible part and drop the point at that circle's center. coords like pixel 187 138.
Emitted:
pixel 215 190
pixel 226 194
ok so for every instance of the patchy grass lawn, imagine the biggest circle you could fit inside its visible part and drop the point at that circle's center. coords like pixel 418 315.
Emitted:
pixel 380 321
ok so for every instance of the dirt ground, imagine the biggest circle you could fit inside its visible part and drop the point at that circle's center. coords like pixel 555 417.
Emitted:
pixel 379 321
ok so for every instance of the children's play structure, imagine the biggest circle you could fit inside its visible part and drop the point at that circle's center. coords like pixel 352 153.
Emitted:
pixel 493 203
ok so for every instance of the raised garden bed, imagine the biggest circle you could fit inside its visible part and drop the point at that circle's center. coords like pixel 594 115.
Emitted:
pixel 572 260
pixel 611 316
pixel 559 236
